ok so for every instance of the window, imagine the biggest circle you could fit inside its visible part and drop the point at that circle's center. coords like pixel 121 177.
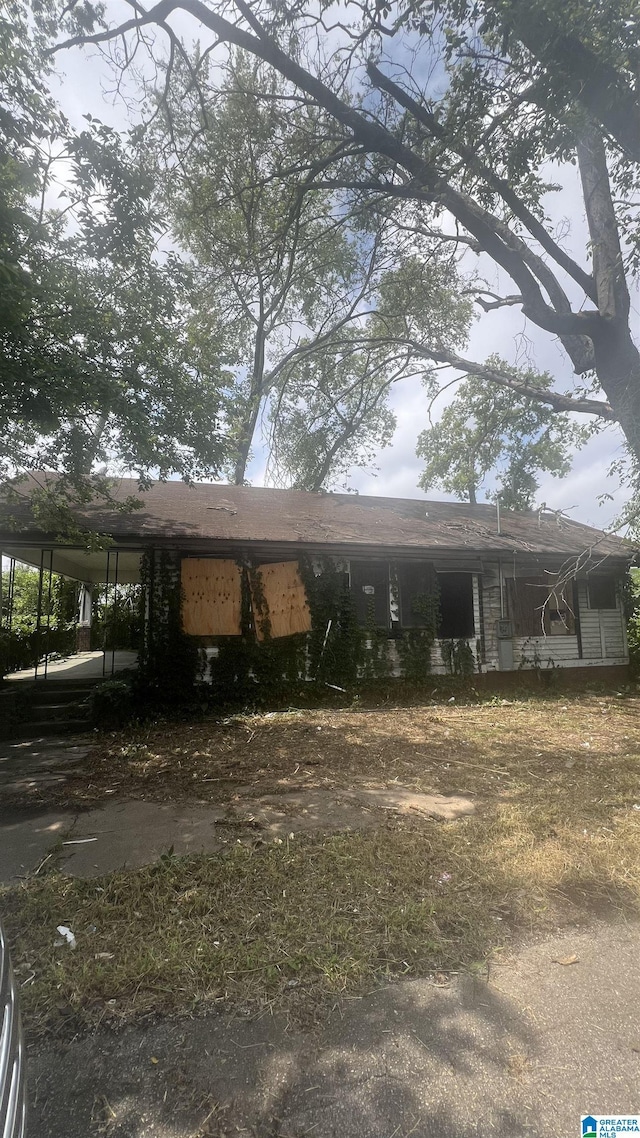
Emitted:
pixel 456 606
pixel 537 610
pixel 558 620
pixel 416 580
pixel 602 593
pixel 370 591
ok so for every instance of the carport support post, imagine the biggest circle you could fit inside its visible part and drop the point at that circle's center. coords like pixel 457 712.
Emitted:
pixel 12 591
pixel 46 651
pixel 6 597
pixel 106 616
pixel 115 615
pixel 39 616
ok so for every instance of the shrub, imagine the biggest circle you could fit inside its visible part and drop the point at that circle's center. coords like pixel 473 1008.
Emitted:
pixel 112 704
pixel 632 602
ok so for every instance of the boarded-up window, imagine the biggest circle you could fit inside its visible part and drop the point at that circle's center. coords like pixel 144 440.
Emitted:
pixel 456 606
pixel 212 597
pixel 416 581
pixel 537 609
pixel 370 591
pixel 602 593
pixel 279 600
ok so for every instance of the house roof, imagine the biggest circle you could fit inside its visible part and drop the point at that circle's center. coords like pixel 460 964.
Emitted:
pixel 204 513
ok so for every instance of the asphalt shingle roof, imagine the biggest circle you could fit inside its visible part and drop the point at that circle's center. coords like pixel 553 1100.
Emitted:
pixel 207 512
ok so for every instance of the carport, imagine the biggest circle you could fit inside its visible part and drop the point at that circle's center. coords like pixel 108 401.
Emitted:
pixel 112 568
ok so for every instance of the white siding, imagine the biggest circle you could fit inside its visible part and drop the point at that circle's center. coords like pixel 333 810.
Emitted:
pixel 437 665
pixel 589 626
pixel 545 651
pixel 603 630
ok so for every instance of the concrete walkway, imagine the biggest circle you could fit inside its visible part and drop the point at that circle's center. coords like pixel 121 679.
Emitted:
pixel 520 1056
pixel 28 766
pixel 126 834
pixel 81 666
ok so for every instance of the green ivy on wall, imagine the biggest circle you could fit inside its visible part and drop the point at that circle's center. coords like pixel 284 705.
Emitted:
pixel 414 646
pixel 246 670
pixel 458 657
pixel 169 661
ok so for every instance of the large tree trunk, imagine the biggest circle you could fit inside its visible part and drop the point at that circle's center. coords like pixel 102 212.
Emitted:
pixel 247 431
pixel 618 369
pixel 617 358
pixel 250 420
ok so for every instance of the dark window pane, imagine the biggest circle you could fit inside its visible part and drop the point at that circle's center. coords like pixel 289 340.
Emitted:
pixel 602 593
pixel 416 580
pixel 370 590
pixel 456 606
pixel 537 609
pixel 526 596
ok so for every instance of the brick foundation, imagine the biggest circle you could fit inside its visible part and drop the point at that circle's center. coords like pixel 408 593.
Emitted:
pixel 576 679
pixel 83 638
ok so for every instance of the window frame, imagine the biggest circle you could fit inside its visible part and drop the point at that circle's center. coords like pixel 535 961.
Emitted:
pixel 407 591
pixel 373 566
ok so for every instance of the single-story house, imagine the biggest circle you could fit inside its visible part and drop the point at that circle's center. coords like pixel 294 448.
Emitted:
pixel 486 590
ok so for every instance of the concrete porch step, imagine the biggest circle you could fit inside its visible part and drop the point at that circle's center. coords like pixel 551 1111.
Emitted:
pixel 58 712
pixel 56 696
pixel 57 727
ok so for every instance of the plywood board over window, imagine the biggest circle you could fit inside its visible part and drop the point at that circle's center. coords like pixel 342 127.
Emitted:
pixel 212 597
pixel 285 600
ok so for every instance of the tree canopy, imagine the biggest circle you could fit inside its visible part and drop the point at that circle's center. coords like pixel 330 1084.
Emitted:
pixel 293 280
pixel 467 113
pixel 96 366
pixel 490 431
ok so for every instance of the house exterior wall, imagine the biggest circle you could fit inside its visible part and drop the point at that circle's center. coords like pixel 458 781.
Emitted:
pixel 599 639
pixel 602 640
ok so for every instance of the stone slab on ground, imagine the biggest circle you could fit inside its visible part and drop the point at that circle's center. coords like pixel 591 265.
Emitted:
pixel 522 1054
pixel 28 763
pixel 401 801
pixel 27 838
pixel 135 833
pixel 303 812
pixel 309 811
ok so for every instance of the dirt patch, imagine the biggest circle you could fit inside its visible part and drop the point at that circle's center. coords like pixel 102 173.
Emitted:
pixel 406 802
pixel 473 751
pixel 307 811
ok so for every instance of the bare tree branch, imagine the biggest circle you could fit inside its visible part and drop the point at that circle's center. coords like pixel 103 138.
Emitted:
pixel 502 187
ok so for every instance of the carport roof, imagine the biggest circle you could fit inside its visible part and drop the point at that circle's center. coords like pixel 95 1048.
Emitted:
pixel 210 514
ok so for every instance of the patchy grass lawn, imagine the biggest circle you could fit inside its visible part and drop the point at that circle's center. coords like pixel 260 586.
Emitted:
pixel 300 922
